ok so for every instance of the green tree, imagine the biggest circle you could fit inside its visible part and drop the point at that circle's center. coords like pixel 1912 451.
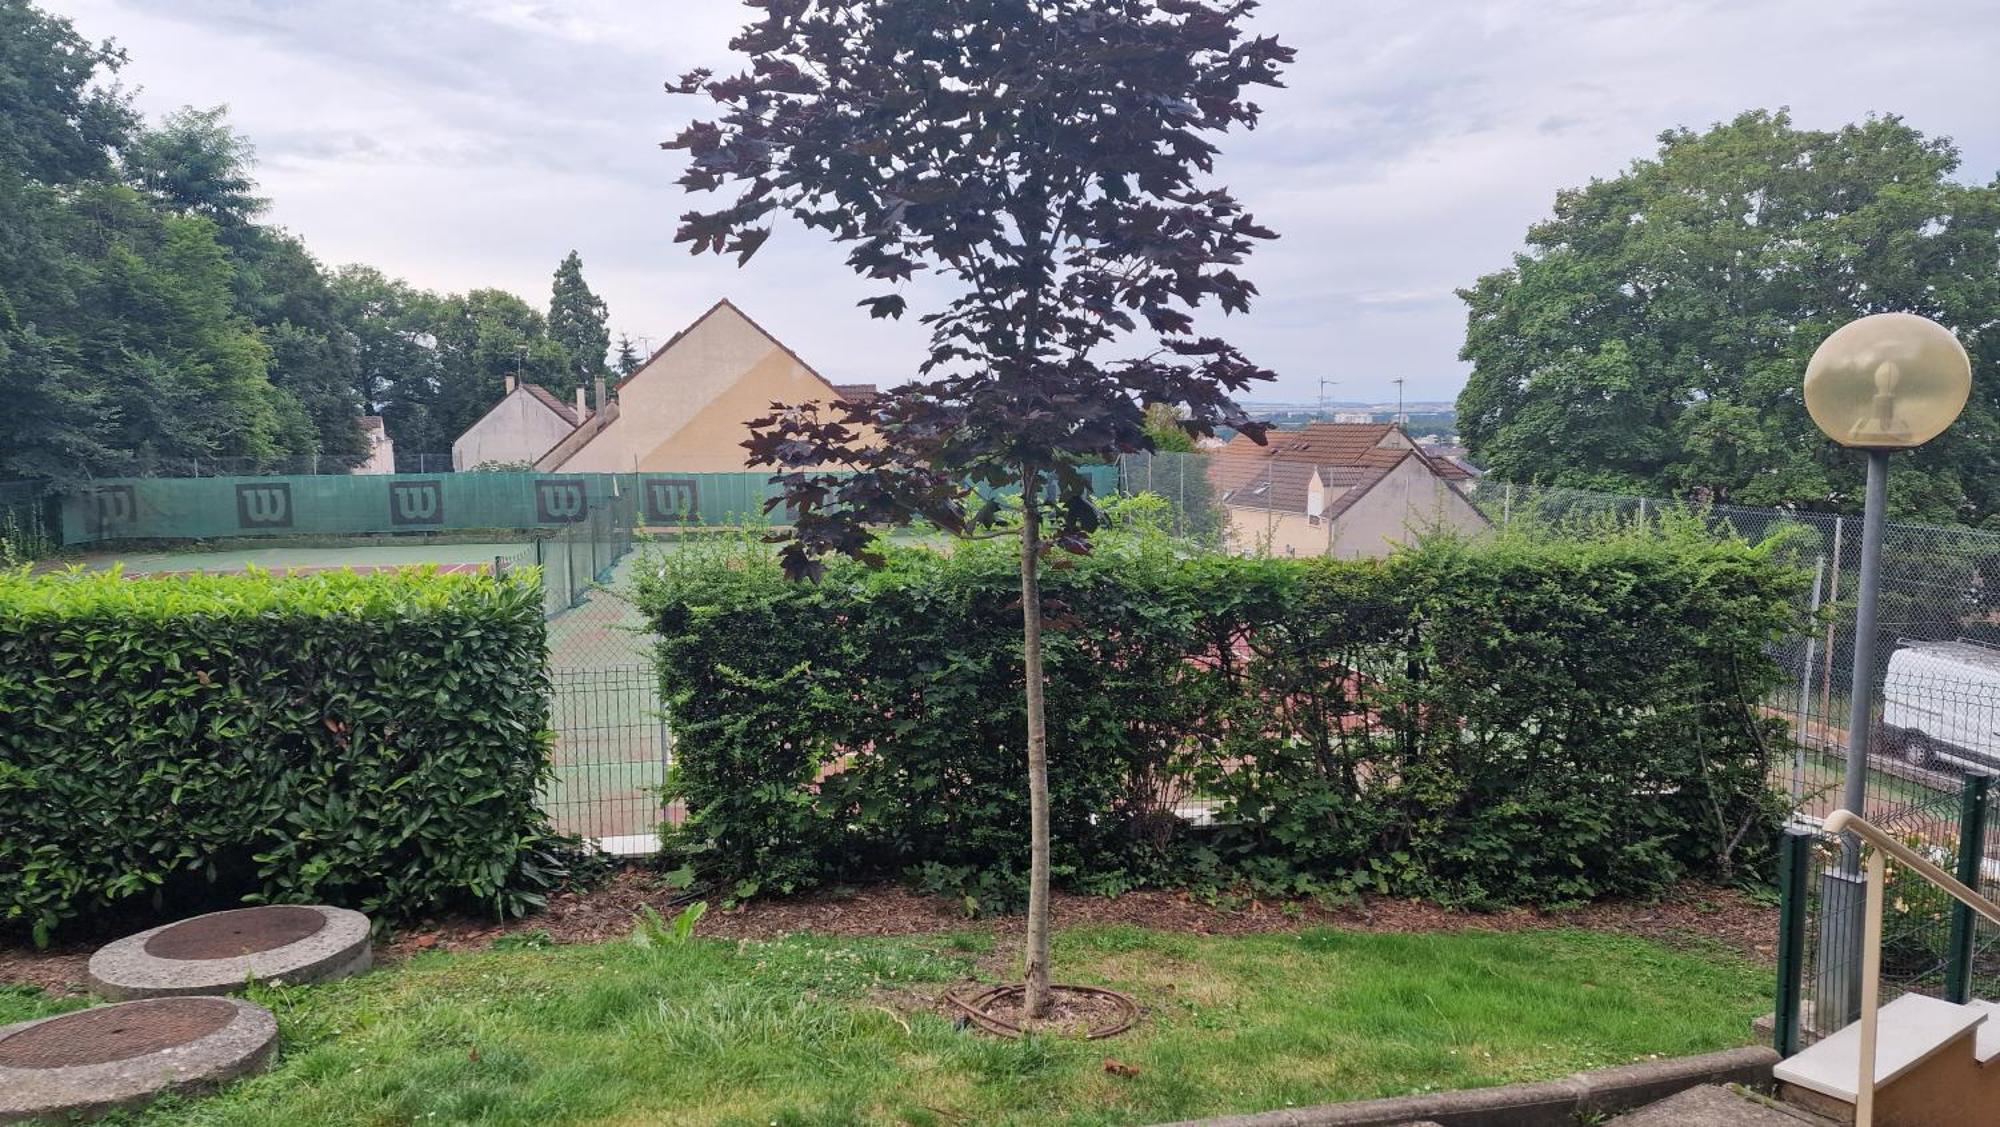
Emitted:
pixel 578 320
pixel 1653 336
pixel 154 316
pixel 195 163
pixel 628 360
pixel 314 356
pixel 1163 426
pixel 57 124
pixel 395 366
pixel 483 337
pixel 431 364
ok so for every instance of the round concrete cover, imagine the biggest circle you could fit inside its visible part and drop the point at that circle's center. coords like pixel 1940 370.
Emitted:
pixel 220 952
pixel 88 1062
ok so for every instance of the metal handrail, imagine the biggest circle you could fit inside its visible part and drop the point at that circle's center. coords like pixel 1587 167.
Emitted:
pixel 1879 843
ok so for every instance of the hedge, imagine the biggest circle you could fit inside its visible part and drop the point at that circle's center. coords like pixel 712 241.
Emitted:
pixel 1502 721
pixel 376 741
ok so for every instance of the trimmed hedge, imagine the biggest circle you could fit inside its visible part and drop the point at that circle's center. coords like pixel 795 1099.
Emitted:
pixel 1511 720
pixel 376 741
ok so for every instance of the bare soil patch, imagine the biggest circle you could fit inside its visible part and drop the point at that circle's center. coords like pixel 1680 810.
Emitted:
pixel 1073 1011
pixel 1691 915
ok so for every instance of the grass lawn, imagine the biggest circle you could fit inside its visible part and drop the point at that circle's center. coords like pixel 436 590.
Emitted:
pixel 809 1030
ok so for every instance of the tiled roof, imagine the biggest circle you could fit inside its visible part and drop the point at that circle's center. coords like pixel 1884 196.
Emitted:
pixel 856 392
pixel 1258 481
pixel 371 423
pixel 1349 458
pixel 549 400
pixel 1335 444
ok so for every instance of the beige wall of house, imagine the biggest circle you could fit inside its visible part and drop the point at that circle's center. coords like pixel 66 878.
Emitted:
pixel 381 448
pixel 1409 502
pixel 686 409
pixel 1254 530
pixel 520 428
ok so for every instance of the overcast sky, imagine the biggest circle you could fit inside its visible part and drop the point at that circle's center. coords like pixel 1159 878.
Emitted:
pixel 465 143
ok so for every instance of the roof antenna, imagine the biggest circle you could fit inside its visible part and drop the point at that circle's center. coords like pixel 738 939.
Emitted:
pixel 1323 385
pixel 1400 420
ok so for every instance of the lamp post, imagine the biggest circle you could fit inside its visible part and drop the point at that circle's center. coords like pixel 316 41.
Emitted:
pixel 1887 382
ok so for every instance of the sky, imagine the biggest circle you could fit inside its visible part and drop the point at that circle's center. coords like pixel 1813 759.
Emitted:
pixel 471 143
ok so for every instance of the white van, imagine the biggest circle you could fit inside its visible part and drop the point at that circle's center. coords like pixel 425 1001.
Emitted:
pixel 1941 702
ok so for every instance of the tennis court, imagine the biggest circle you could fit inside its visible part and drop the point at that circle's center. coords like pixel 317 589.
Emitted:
pixel 360 555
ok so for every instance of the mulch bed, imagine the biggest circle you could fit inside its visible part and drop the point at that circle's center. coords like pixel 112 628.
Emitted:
pixel 1692 915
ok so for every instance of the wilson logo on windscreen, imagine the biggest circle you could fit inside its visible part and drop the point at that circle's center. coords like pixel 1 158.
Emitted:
pixel 416 502
pixel 112 508
pixel 264 505
pixel 672 500
pixel 559 500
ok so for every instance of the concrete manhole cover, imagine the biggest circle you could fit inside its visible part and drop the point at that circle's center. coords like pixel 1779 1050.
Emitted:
pixel 243 931
pixel 220 952
pixel 110 1033
pixel 88 1062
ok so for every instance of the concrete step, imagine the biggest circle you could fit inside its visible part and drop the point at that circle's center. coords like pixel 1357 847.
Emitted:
pixel 1713 1105
pixel 1988 1045
pixel 1911 1030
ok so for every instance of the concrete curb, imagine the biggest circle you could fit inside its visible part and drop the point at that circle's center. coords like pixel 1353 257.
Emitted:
pixel 1552 1103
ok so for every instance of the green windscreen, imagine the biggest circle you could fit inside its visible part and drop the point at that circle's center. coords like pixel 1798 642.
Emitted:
pixel 207 508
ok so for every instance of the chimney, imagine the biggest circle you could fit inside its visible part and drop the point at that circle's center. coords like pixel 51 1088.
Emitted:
pixel 582 412
pixel 510 384
pixel 600 393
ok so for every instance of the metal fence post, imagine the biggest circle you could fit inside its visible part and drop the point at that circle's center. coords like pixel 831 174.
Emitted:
pixel 1794 858
pixel 1972 803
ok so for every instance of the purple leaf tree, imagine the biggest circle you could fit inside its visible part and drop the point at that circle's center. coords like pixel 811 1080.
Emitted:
pixel 1051 161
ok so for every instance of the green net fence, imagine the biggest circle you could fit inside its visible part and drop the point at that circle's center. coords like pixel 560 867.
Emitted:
pixel 210 508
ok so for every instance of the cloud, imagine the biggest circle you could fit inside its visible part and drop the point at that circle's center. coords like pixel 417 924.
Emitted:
pixel 462 143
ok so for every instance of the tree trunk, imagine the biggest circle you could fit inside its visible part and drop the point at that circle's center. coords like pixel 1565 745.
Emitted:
pixel 1035 962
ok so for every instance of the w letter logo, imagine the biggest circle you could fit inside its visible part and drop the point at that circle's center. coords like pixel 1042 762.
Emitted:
pixel 111 509
pixel 672 500
pixel 416 502
pixel 559 500
pixel 264 506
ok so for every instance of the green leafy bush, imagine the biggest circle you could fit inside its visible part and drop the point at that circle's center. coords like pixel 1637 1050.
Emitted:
pixel 1518 719
pixel 376 741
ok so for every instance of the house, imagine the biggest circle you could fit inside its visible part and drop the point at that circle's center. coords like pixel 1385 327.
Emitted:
pixel 1337 489
pixel 524 425
pixel 686 409
pixel 381 448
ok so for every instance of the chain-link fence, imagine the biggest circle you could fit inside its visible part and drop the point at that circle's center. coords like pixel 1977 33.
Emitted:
pixel 1185 481
pixel 310 464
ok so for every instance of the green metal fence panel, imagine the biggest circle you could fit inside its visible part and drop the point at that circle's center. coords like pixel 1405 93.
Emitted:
pixel 1974 802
